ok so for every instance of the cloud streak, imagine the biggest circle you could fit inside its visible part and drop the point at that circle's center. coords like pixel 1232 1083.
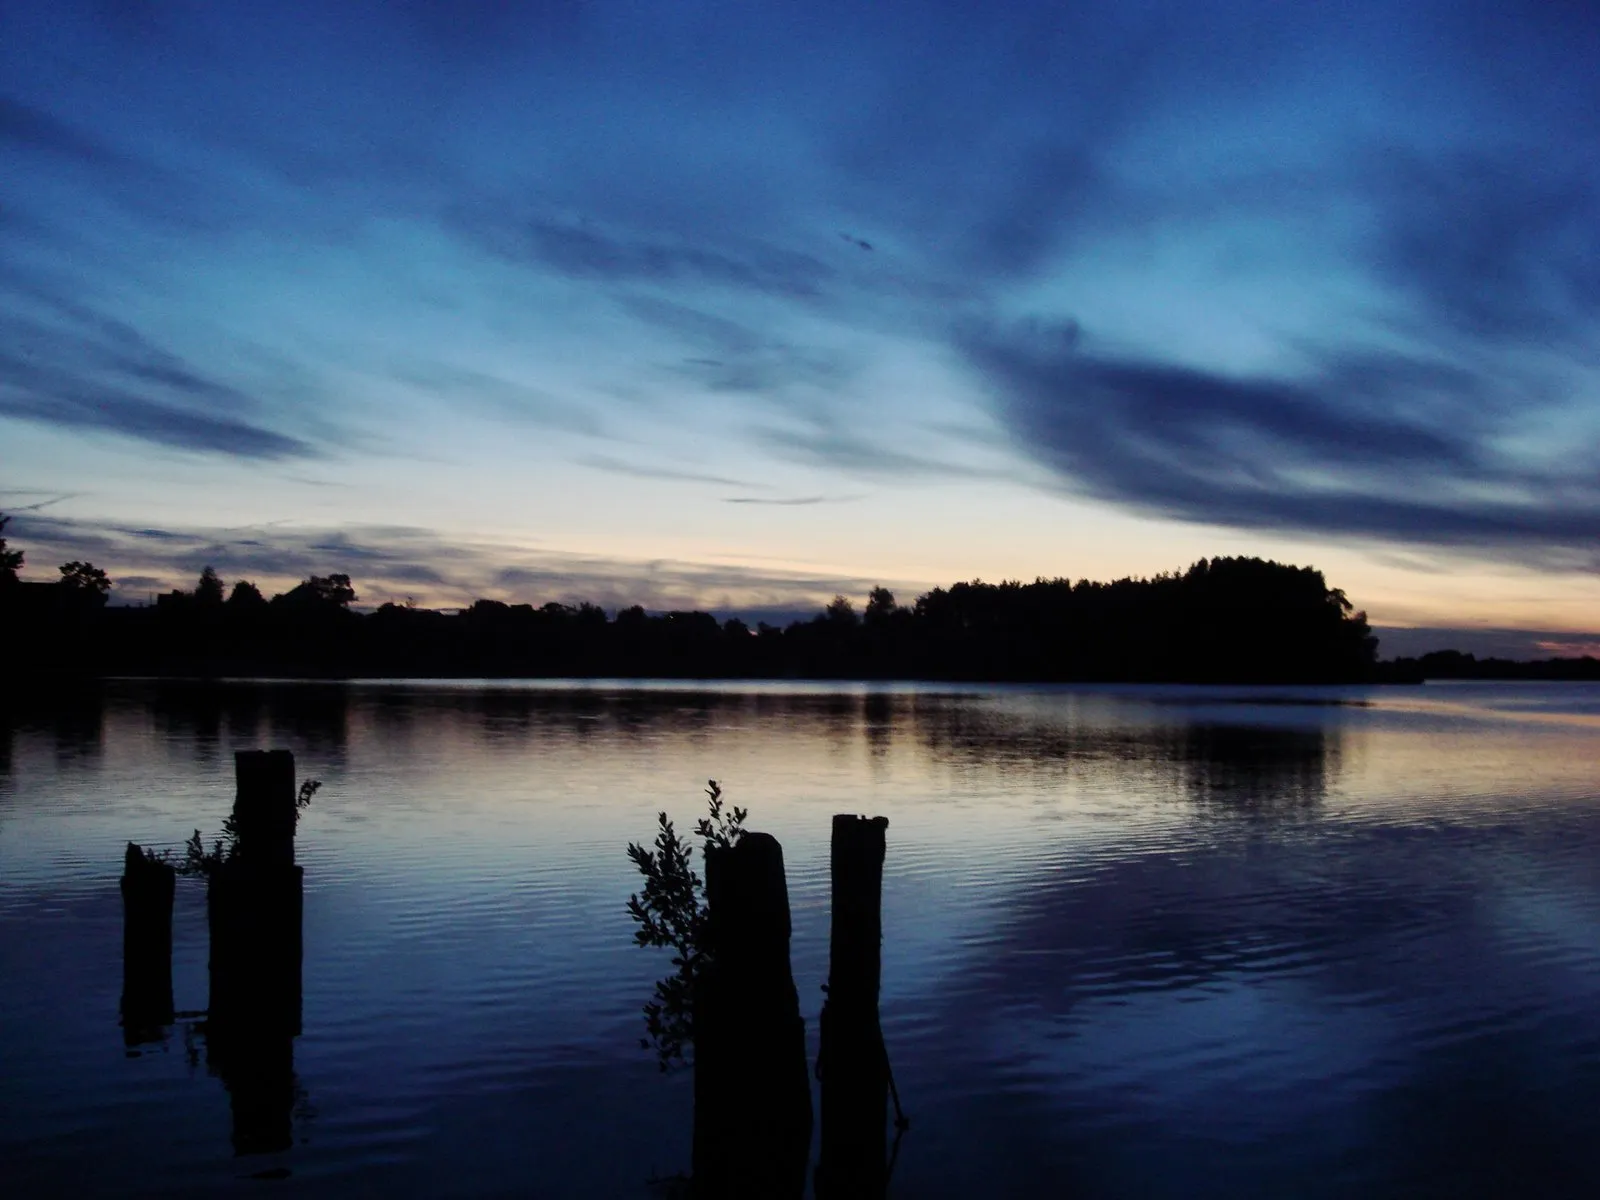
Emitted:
pixel 64 364
pixel 790 501
pixel 1491 247
pixel 1361 443
pixel 587 251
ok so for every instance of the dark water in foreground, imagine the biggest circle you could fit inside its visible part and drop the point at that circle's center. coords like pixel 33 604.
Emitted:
pixel 1138 942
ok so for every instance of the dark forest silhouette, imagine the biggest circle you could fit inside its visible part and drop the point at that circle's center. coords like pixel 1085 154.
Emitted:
pixel 1222 620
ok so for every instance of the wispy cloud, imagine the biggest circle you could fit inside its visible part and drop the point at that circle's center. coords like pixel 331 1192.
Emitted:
pixel 589 250
pixel 510 400
pixel 605 462
pixel 30 129
pixel 790 501
pixel 1361 442
pixel 1491 246
pixel 63 363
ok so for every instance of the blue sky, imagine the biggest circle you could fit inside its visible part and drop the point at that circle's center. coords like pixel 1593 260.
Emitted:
pixel 739 304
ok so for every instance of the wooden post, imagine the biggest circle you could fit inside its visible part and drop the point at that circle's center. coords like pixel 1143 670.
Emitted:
pixel 752 1129
pixel 264 806
pixel 147 890
pixel 853 1066
pixel 254 903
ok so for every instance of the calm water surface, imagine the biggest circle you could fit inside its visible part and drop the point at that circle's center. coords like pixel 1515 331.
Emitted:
pixel 1137 942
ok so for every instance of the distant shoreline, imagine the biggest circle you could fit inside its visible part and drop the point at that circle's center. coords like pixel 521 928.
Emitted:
pixel 1386 674
pixel 1227 621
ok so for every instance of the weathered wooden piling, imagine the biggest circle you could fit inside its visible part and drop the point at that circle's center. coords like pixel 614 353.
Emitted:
pixel 264 810
pixel 254 904
pixel 752 1129
pixel 853 1067
pixel 147 890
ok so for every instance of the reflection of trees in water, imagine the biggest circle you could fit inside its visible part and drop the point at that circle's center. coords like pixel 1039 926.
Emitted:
pixel 878 717
pixel 1221 766
pixel 1254 769
pixel 71 717
pixel 217 717
pixel 1257 771
pixel 1245 769
pixel 587 714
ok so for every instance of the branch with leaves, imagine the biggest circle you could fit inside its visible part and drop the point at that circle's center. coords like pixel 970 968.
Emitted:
pixel 671 913
pixel 197 860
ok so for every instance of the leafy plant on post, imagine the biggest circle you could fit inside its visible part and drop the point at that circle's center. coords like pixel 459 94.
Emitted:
pixel 197 860
pixel 671 912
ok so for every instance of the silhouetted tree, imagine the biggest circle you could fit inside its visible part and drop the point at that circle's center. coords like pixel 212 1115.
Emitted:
pixel 880 605
pixel 86 580
pixel 208 591
pixel 246 597
pixel 841 612
pixel 10 560
pixel 319 593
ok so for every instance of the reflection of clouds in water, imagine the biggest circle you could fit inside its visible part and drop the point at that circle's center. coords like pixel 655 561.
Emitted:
pixel 1257 1042
pixel 1544 912
pixel 1306 990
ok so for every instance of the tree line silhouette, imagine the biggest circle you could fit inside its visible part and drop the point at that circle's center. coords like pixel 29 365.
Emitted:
pixel 1453 664
pixel 1221 620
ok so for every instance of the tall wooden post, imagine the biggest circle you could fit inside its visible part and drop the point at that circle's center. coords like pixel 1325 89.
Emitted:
pixel 854 1068
pixel 752 1129
pixel 147 890
pixel 254 903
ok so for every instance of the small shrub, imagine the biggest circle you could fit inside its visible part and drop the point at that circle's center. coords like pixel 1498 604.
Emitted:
pixel 197 860
pixel 671 912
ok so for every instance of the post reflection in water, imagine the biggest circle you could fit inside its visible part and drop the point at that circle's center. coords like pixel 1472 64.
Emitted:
pixel 254 1015
pixel 752 1097
pixel 254 909
pixel 255 904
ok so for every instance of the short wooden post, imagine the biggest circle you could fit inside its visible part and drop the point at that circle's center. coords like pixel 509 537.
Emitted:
pixel 147 890
pixel 264 806
pixel 254 903
pixel 853 1066
pixel 752 1130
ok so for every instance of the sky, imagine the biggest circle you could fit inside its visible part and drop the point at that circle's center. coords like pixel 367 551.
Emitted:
pixel 738 305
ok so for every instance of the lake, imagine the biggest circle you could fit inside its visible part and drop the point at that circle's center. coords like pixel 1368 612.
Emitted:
pixel 1138 941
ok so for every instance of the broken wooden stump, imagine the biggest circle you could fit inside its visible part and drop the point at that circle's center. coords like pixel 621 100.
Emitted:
pixel 147 889
pixel 752 1094
pixel 853 1066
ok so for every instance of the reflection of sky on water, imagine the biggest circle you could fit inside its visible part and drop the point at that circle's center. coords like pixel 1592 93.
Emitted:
pixel 1129 945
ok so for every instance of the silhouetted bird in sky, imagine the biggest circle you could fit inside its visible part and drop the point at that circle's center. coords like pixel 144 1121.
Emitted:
pixel 855 241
